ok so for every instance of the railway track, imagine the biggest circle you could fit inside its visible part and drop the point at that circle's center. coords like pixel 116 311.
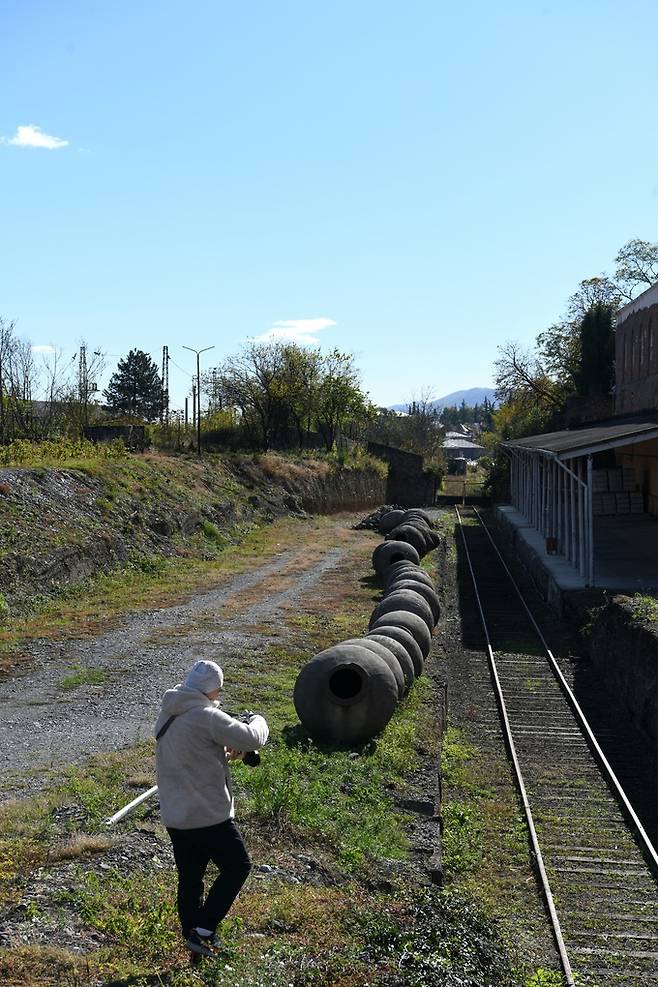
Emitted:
pixel 595 861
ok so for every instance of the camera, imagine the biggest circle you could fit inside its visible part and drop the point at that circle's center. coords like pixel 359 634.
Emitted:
pixel 250 758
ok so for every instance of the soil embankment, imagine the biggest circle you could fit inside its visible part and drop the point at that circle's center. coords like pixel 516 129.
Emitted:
pixel 61 527
pixel 623 645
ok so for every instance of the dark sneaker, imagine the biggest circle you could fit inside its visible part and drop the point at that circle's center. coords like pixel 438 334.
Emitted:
pixel 205 945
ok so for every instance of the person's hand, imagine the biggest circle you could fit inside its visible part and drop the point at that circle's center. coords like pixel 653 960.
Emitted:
pixel 233 755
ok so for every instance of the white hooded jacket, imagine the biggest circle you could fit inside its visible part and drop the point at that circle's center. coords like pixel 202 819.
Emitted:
pixel 194 782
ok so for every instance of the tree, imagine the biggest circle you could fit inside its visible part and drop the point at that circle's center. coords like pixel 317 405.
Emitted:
pixel 341 402
pixel 597 335
pixel 252 382
pixel 637 267
pixel 416 431
pixel 520 374
pixel 135 388
pixel 278 386
pixel 558 346
pixel 301 379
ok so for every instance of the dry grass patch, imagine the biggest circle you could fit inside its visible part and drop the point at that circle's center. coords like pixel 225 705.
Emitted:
pixel 293 474
pixel 79 845
pixel 42 966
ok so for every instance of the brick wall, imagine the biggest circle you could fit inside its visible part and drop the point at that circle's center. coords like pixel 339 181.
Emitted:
pixel 636 360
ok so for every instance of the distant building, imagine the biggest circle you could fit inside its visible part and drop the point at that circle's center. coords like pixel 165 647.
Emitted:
pixel 456 445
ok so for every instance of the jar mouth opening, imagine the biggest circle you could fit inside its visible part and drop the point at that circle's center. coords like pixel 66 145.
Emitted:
pixel 347 683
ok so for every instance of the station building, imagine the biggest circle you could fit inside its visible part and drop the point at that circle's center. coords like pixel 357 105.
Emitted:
pixel 584 501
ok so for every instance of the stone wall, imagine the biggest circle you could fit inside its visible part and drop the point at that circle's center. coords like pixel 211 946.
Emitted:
pixel 408 483
pixel 345 489
pixel 624 649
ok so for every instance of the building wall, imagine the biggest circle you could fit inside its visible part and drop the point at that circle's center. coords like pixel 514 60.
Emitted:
pixel 636 355
pixel 468 450
pixel 643 459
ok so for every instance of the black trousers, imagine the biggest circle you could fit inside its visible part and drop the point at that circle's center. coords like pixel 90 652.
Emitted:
pixel 193 850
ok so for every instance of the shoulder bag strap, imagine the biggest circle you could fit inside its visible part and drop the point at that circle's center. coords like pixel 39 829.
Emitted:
pixel 163 729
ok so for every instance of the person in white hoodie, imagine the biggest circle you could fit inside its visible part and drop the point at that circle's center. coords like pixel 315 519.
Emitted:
pixel 195 741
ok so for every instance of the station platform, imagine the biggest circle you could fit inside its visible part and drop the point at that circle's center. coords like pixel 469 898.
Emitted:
pixel 625 554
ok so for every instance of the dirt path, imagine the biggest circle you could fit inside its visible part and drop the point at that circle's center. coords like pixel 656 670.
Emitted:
pixel 47 722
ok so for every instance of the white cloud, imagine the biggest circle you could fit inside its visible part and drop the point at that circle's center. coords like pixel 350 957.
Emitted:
pixel 43 349
pixel 32 136
pixel 296 330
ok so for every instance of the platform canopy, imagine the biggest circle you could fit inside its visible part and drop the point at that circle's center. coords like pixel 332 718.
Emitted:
pixel 551 481
pixel 574 442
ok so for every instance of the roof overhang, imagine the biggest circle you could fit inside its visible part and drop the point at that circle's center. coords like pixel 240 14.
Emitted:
pixel 573 443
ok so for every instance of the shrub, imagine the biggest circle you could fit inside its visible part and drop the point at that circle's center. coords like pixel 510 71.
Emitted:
pixel 20 452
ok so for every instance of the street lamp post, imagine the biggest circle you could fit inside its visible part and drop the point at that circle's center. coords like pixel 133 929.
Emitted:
pixel 198 393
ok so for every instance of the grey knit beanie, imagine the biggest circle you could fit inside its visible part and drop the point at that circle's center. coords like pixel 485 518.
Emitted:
pixel 206 676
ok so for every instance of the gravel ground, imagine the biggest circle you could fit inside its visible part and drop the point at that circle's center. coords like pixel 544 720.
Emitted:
pixel 43 726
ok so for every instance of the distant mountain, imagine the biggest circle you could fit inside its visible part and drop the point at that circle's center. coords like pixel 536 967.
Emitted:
pixel 474 395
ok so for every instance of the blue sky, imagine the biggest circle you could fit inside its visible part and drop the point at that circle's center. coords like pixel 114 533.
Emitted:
pixel 426 179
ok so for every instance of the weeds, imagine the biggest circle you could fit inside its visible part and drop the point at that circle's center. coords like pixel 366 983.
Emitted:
pixel 72 811
pixel 462 838
pixel 446 941
pixel 545 978
pixel 644 607
pixel 84 676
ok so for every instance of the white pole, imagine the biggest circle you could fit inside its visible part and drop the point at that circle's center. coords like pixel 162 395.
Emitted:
pixel 590 523
pixel 560 533
pixel 573 520
pixel 581 519
pixel 131 805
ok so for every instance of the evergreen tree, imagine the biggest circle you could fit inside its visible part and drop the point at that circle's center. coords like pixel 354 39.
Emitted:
pixel 596 371
pixel 135 387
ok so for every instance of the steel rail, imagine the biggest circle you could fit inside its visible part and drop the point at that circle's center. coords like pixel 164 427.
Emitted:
pixel 509 741
pixel 629 811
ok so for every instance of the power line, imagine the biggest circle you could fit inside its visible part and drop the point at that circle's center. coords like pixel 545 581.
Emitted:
pixel 171 359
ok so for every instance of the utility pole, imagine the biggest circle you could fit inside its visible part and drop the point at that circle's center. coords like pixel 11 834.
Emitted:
pixel 83 383
pixel 198 393
pixel 164 402
pixel 193 405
